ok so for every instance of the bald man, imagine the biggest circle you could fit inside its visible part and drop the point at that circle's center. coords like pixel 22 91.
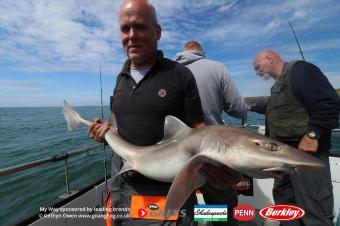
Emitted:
pixel 148 88
pixel 217 89
pixel 302 110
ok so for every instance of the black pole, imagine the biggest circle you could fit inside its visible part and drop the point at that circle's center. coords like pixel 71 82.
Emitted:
pixel 296 39
pixel 102 111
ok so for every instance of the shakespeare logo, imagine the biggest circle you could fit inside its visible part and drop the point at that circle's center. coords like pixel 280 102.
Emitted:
pixel 203 213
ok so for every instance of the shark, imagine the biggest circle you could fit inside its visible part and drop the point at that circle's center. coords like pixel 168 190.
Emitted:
pixel 179 156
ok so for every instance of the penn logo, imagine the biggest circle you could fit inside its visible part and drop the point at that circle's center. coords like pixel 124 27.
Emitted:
pixel 162 93
pixel 141 213
pixel 244 213
pixel 244 184
pixel 282 212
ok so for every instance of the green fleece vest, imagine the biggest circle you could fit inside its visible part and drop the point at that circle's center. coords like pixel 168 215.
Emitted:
pixel 287 119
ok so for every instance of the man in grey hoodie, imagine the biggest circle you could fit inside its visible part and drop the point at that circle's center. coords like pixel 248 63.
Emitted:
pixel 216 87
pixel 217 92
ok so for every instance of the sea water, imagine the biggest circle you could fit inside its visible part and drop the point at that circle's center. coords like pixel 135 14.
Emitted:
pixel 28 134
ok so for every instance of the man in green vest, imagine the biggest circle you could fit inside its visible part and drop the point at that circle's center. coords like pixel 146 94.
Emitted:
pixel 302 110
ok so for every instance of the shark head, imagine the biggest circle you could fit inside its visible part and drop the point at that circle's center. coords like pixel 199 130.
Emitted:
pixel 255 155
pixel 282 159
pixel 274 158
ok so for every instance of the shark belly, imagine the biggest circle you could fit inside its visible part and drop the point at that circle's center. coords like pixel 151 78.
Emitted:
pixel 165 168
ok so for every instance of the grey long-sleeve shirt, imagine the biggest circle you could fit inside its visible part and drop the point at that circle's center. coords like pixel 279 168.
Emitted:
pixel 215 85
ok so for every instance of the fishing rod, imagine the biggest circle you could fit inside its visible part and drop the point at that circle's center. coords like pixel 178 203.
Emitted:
pixel 296 39
pixel 102 113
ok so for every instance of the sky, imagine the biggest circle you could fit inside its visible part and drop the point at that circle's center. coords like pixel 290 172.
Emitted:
pixel 51 50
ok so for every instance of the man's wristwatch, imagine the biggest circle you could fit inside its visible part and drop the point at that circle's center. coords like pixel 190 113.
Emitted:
pixel 312 134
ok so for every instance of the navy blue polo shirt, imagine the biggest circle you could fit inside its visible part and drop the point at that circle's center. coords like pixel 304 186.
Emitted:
pixel 169 88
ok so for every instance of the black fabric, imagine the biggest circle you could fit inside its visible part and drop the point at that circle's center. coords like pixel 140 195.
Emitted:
pixel 311 191
pixel 312 88
pixel 249 189
pixel 169 88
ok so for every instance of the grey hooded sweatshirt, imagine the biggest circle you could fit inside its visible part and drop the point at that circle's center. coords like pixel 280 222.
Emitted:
pixel 215 85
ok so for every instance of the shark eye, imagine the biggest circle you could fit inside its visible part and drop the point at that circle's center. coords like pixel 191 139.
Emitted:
pixel 272 146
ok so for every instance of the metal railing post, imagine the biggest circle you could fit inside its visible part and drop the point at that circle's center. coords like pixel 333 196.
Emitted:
pixel 66 177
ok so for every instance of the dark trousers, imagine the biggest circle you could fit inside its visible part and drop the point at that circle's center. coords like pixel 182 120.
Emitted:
pixel 227 197
pixel 311 191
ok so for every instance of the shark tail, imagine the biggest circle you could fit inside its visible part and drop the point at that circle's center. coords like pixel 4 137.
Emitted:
pixel 72 117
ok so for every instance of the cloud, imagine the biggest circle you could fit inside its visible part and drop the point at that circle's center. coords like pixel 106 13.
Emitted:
pixel 14 85
pixel 77 35
pixel 72 36
pixel 257 22
pixel 58 35
pixel 325 44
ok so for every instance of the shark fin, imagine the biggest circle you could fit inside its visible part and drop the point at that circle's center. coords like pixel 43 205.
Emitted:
pixel 186 182
pixel 278 169
pixel 126 167
pixel 173 127
pixel 113 122
pixel 72 117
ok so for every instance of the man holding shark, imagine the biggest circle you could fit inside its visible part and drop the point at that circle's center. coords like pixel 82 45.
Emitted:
pixel 148 88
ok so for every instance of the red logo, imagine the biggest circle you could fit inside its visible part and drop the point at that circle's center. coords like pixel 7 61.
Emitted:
pixel 141 213
pixel 244 184
pixel 282 212
pixel 162 93
pixel 244 213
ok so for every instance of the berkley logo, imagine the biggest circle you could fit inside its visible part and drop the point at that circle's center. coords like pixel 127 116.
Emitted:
pixel 244 213
pixel 282 212
pixel 244 184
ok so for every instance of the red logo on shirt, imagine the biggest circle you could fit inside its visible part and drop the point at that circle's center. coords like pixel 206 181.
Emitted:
pixel 162 92
pixel 244 184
